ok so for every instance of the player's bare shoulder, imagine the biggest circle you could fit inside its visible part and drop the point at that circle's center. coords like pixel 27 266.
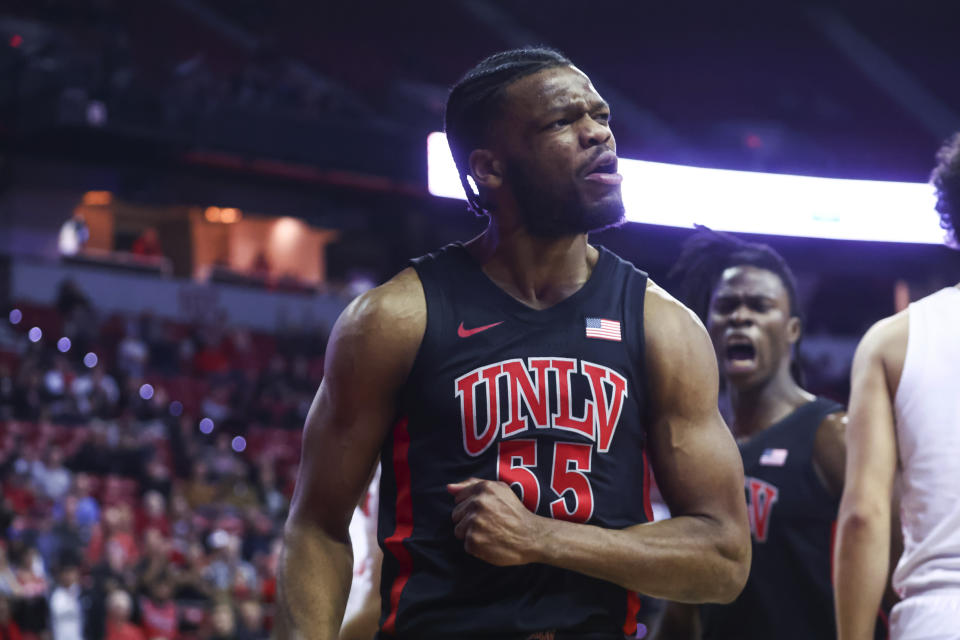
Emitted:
pixel 399 299
pixel 829 451
pixel 386 323
pixel 677 344
pixel 885 344
pixel 666 319
pixel 833 427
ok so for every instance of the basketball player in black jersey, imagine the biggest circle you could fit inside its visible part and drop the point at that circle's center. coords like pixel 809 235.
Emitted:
pixel 791 443
pixel 515 387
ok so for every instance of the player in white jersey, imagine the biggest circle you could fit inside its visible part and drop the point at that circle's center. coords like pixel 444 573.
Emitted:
pixel 362 614
pixel 905 428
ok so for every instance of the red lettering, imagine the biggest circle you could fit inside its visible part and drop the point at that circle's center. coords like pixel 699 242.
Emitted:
pixel 476 443
pixel 515 459
pixel 608 414
pixel 535 395
pixel 571 464
pixel 761 496
pixel 564 418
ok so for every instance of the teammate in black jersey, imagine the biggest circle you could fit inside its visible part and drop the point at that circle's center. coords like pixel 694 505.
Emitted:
pixel 791 443
pixel 515 387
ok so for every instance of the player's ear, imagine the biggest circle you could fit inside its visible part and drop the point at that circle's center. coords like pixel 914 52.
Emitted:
pixel 794 329
pixel 486 169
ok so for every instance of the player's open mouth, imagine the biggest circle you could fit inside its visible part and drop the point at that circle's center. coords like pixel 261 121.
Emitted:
pixel 604 170
pixel 740 354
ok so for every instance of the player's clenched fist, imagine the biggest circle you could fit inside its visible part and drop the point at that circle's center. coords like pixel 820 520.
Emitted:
pixel 493 523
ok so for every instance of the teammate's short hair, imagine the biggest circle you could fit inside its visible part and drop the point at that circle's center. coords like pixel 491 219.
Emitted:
pixel 708 253
pixel 946 180
pixel 474 101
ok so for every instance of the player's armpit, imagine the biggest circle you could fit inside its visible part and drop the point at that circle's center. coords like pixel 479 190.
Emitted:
pixel 863 531
pixel 369 355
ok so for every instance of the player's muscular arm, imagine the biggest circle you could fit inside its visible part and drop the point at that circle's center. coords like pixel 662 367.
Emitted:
pixel 863 532
pixel 829 455
pixel 371 349
pixel 700 555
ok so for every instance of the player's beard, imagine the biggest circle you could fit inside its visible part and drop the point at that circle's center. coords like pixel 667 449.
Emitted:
pixel 548 212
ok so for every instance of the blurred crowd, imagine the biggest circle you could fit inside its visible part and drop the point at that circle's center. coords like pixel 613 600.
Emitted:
pixel 124 59
pixel 146 469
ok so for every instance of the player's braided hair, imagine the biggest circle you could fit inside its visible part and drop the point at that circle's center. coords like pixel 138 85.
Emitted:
pixel 473 103
pixel 705 256
pixel 946 180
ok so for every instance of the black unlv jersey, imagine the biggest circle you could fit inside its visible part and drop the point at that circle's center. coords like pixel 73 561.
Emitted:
pixel 549 401
pixel 792 515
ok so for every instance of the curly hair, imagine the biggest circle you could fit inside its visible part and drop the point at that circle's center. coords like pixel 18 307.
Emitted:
pixel 946 180
pixel 474 102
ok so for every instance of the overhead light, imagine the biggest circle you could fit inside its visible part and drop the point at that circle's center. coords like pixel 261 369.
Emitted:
pixel 748 202
pixel 229 215
pixel 226 215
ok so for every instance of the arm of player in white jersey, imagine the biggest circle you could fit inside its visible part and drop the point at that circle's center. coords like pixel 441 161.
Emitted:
pixel 863 531
pixel 362 615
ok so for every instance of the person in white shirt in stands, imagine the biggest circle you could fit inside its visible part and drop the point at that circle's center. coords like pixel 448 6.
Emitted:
pixel 905 427
pixel 74 234
pixel 66 614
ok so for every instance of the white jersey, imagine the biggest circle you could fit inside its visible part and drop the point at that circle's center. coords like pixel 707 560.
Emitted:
pixel 927 409
pixel 363 536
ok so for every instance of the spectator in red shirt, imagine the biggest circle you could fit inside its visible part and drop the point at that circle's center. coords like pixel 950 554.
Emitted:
pixel 119 627
pixel 114 530
pixel 158 611
pixel 17 489
pixel 153 514
pixel 210 359
pixel 148 244
pixel 8 628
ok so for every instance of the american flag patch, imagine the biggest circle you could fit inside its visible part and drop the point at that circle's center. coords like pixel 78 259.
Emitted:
pixel 603 328
pixel 773 457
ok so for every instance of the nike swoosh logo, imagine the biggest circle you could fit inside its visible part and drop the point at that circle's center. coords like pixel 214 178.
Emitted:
pixel 466 333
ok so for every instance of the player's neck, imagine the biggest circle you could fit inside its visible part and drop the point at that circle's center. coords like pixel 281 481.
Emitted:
pixel 762 406
pixel 539 272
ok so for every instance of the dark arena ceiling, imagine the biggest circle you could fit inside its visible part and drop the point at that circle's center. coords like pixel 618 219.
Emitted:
pixel 851 89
